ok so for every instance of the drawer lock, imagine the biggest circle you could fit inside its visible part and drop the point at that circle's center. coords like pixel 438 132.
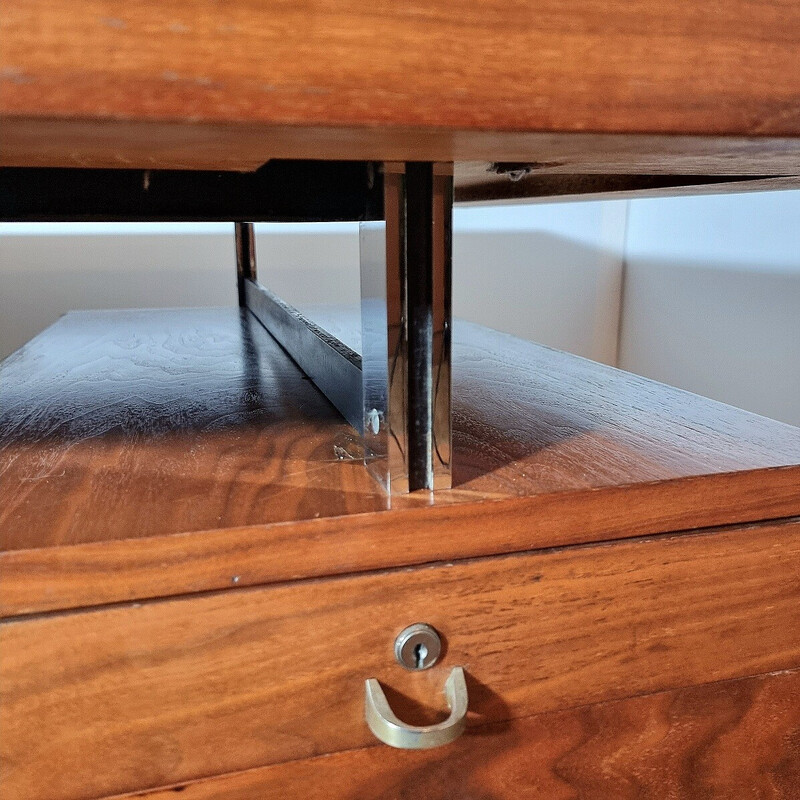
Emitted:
pixel 417 647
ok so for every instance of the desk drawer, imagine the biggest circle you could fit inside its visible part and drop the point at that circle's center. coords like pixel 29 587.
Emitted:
pixel 119 699
pixel 721 741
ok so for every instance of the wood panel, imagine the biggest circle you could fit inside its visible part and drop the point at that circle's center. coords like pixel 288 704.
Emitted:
pixel 167 421
pixel 733 740
pixel 435 77
pixel 118 570
pixel 149 694
pixel 121 144
pixel 175 422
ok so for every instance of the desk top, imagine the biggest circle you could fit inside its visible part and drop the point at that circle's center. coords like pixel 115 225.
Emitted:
pixel 637 86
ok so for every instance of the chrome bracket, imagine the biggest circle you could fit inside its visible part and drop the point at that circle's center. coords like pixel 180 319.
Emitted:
pixel 406 322
pixel 397 392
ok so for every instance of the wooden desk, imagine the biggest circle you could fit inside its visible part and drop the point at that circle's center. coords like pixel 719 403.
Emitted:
pixel 197 574
pixel 177 501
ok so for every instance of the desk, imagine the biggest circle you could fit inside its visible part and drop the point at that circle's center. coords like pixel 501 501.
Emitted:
pixel 197 573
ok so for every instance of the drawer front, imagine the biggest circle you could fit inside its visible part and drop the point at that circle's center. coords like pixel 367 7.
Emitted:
pixel 120 699
pixel 720 741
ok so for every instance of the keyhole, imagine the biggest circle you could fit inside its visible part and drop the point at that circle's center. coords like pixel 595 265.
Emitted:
pixel 418 646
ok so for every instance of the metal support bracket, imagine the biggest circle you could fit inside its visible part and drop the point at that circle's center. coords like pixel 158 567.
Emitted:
pixel 406 321
pixel 397 393
pixel 245 258
pixel 334 368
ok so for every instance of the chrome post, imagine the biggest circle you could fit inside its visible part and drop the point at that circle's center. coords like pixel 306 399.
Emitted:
pixel 245 257
pixel 406 268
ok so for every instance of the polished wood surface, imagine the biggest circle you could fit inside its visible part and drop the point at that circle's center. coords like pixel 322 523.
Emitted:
pixel 129 144
pixel 137 423
pixel 529 419
pixel 200 441
pixel 148 694
pixel 152 83
pixel 63 577
pixel 735 740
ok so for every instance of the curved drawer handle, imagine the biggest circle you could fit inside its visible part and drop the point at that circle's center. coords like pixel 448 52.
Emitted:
pixel 390 730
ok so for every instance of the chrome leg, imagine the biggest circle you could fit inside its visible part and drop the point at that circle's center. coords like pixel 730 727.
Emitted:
pixel 245 257
pixel 406 268
pixel 398 391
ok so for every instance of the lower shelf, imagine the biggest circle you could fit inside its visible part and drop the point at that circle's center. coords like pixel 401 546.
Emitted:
pixel 129 424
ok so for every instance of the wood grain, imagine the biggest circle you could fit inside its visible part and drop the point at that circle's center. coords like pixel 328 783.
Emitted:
pixel 119 570
pixel 529 419
pixel 181 421
pixel 443 73
pixel 734 740
pixel 113 143
pixel 167 421
pixel 161 692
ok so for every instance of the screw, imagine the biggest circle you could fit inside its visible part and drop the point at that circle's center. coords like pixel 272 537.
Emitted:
pixel 374 421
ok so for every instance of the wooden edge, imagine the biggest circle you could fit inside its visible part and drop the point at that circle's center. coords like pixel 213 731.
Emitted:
pixel 40 141
pixel 83 575
pixel 533 187
pixel 231 681
pixel 603 749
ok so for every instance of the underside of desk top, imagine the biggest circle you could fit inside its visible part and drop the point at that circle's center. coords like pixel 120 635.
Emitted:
pixel 639 86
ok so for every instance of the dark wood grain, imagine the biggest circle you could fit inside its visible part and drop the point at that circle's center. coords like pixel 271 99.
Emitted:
pixel 529 419
pixel 434 78
pixel 734 740
pixel 128 424
pixel 149 694
pixel 181 421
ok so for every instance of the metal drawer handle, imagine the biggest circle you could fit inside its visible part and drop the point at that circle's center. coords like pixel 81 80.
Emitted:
pixel 390 730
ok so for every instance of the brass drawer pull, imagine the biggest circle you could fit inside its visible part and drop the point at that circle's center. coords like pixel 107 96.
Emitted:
pixel 390 730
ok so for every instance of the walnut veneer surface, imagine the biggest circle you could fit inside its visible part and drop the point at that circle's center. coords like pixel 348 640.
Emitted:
pixel 733 740
pixel 145 453
pixel 145 694
pixel 147 457
pixel 584 85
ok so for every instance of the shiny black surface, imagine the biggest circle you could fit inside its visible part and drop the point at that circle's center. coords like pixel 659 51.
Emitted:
pixel 280 191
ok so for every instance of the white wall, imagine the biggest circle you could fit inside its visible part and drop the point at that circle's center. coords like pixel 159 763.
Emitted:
pixel 547 273
pixel 712 298
pixel 47 270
